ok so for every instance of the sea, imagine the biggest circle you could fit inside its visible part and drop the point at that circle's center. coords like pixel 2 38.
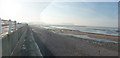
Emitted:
pixel 114 31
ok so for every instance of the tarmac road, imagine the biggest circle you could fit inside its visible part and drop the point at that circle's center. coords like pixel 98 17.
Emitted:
pixel 52 44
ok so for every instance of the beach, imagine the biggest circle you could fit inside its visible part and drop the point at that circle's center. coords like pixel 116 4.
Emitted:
pixel 54 42
pixel 106 41
pixel 93 35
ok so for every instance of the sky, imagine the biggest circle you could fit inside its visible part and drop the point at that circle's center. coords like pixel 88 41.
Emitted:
pixel 70 13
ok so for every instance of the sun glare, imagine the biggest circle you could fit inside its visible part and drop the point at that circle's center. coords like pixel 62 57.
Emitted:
pixel 10 8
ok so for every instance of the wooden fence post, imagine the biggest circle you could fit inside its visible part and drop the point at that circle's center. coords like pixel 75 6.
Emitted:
pixel 10 27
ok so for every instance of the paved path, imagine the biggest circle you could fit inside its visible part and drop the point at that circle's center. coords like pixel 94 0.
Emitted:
pixel 27 45
pixel 52 44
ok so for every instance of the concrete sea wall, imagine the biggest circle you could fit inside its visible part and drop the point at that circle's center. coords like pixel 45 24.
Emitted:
pixel 10 41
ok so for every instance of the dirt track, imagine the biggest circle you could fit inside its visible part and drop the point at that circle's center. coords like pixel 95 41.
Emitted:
pixel 52 44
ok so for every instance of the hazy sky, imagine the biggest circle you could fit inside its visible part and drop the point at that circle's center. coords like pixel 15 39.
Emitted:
pixel 82 13
pixel 76 13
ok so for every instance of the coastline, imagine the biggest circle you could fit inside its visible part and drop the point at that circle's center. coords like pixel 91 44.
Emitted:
pixel 69 45
pixel 108 45
pixel 93 35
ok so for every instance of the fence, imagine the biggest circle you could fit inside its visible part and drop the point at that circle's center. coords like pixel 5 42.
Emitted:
pixel 13 42
pixel 10 33
pixel 8 26
pixel 10 41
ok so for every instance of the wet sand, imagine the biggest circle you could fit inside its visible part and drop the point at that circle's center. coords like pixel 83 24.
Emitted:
pixel 108 45
pixel 93 35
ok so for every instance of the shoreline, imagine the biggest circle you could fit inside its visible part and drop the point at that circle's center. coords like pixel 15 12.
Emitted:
pixel 108 45
pixel 68 45
pixel 92 35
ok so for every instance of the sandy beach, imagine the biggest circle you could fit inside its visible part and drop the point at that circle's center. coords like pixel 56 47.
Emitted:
pixel 51 42
pixel 108 45
pixel 93 35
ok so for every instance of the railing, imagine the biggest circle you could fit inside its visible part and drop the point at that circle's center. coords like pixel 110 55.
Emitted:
pixel 8 26
pixel 10 34
pixel 18 34
pixel 10 41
